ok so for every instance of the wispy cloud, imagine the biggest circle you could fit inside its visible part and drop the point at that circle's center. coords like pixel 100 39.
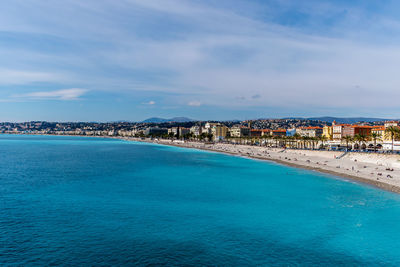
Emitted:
pixel 12 76
pixel 224 54
pixel 151 102
pixel 194 103
pixel 65 94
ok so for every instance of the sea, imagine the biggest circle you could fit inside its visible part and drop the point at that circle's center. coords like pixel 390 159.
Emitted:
pixel 82 201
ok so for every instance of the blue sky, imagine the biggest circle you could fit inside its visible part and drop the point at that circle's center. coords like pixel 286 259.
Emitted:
pixel 104 60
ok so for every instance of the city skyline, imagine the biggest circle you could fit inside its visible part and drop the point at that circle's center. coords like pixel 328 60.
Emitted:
pixel 131 60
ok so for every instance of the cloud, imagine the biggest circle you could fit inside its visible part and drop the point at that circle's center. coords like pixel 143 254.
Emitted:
pixel 151 102
pixel 293 53
pixel 12 77
pixel 65 94
pixel 194 104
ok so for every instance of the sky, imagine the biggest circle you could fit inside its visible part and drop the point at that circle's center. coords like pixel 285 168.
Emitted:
pixel 108 60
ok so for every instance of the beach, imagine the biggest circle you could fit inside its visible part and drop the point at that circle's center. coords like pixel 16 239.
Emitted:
pixel 379 170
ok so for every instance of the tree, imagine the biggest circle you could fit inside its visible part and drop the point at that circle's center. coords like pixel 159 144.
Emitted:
pixel 347 139
pixel 203 136
pixel 187 136
pixel 210 137
pixel 297 138
pixel 267 140
pixel 360 138
pixel 305 141
pixel 394 132
pixel 374 137
pixel 284 139
pixel 311 141
pixel 290 139
pixel 276 137
pixel 323 138
pixel 314 141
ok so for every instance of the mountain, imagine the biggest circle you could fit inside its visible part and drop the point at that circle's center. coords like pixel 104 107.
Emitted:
pixel 347 120
pixel 161 120
pixel 180 119
pixel 155 120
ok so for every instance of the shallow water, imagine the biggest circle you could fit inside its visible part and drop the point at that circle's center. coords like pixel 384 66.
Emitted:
pixel 92 201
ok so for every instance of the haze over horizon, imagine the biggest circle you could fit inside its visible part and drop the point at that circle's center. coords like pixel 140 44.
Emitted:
pixel 208 60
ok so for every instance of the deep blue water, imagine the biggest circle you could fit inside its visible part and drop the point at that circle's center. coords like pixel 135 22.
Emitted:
pixel 87 201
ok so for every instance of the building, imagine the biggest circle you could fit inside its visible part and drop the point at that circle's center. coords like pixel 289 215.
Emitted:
pixel 388 146
pixel 209 128
pixel 266 132
pixel 352 130
pixel 195 130
pixel 178 131
pixel 310 131
pixel 256 132
pixel 278 132
pixel 337 131
pixel 219 132
pixel 291 132
pixel 205 130
pixel 120 133
pixel 239 131
pixel 155 131
pixel 380 131
pixel 364 130
pixel 210 125
pixel 391 124
pixel 183 131
pixel 327 131
pixel 174 131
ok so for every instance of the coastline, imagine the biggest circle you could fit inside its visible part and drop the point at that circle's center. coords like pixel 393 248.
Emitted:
pixel 381 182
pixel 370 169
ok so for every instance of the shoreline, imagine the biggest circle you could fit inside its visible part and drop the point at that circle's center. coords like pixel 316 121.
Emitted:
pixel 320 161
pixel 379 184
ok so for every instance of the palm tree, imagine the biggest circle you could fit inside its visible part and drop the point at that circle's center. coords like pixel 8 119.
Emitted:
pixel 313 140
pixel 305 141
pixel 360 138
pixel 265 139
pixel 323 138
pixel 374 137
pixel 297 137
pixel 270 138
pixel 291 140
pixel 188 136
pixel 347 139
pixel 285 140
pixel 202 136
pixel 394 132
pixel 210 137
pixel 276 137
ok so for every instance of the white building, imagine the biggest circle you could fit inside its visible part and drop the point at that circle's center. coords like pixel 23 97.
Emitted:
pixel 239 131
pixel 388 146
pixel 195 130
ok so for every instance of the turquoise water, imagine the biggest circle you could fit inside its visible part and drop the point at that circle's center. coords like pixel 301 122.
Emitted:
pixel 85 201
